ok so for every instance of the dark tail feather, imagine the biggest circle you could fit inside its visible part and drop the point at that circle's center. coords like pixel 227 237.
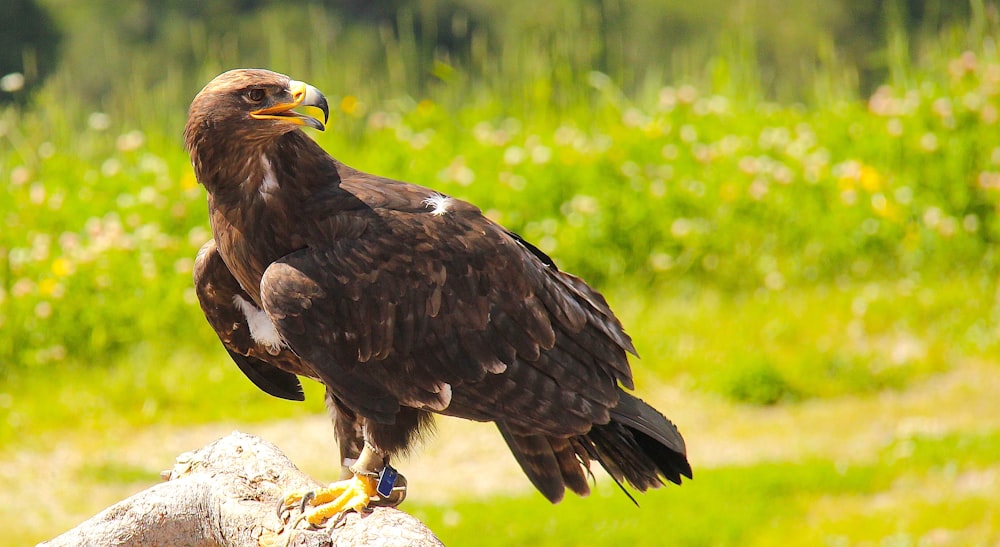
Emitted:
pixel 551 463
pixel 573 473
pixel 639 445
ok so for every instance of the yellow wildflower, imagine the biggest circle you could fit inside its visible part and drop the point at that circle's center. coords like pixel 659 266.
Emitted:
pixel 47 287
pixel 188 181
pixel 351 106
pixel 425 107
pixel 62 267
pixel 870 179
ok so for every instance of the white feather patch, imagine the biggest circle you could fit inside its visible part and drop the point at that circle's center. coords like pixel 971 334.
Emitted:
pixel 438 204
pixel 270 183
pixel 261 328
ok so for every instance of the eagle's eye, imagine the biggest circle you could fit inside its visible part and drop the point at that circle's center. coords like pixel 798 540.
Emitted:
pixel 255 95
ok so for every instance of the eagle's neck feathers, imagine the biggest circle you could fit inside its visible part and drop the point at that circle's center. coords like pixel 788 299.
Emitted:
pixel 257 194
pixel 235 165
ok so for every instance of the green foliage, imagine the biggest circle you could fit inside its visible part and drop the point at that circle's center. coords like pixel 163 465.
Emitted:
pixel 680 189
pixel 758 383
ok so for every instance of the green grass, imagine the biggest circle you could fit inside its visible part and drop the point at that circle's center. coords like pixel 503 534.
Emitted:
pixel 142 389
pixel 813 342
pixel 808 503
pixel 762 349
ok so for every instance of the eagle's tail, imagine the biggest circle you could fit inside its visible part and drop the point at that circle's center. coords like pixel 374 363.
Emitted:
pixel 638 446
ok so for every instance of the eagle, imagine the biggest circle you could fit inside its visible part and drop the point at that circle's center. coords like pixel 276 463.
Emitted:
pixel 404 302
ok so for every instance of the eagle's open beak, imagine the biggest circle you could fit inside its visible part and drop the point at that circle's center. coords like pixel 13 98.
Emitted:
pixel 303 94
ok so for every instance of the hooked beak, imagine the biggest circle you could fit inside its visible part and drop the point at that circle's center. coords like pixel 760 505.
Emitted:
pixel 303 94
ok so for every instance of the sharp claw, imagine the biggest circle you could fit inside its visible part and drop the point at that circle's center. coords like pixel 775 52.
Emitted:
pixel 292 500
pixel 337 519
pixel 306 499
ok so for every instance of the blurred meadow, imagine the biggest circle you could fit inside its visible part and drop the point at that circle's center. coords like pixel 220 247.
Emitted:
pixel 794 210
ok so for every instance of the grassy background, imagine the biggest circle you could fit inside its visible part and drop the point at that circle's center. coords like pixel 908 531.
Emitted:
pixel 762 252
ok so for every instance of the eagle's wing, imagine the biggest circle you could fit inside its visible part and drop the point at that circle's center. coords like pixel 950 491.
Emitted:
pixel 217 292
pixel 447 311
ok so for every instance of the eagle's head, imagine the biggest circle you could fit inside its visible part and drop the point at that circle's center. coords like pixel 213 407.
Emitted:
pixel 240 115
pixel 251 105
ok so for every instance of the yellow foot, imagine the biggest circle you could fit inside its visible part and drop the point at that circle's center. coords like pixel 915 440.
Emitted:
pixel 321 504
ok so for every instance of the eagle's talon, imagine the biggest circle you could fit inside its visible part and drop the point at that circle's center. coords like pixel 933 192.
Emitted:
pixel 338 519
pixel 318 506
pixel 309 496
pixel 284 510
pixel 298 499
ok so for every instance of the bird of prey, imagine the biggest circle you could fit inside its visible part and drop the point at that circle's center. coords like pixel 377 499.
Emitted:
pixel 404 302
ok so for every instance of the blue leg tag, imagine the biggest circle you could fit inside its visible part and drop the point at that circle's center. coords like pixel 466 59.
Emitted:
pixel 386 480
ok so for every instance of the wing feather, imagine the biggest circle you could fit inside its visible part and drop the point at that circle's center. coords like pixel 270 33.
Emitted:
pixel 216 287
pixel 412 301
